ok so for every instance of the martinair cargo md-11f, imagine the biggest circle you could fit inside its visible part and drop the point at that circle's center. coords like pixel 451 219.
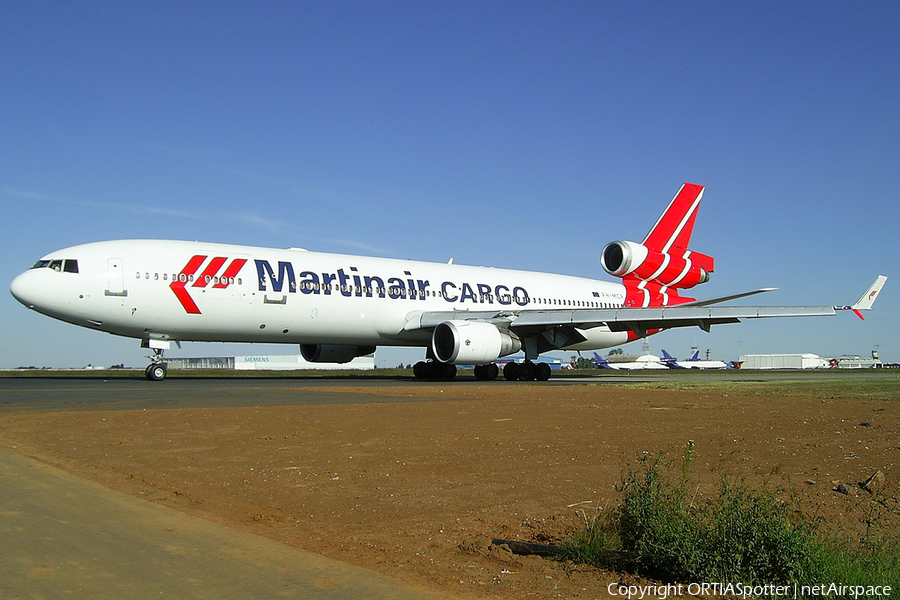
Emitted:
pixel 338 307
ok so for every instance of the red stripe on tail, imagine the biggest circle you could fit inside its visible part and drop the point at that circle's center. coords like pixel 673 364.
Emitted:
pixel 675 226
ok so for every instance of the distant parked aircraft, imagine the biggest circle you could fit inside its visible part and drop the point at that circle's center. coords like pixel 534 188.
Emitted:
pixel 693 362
pixel 630 363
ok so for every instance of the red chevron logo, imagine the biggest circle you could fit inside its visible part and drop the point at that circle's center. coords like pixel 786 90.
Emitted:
pixel 209 274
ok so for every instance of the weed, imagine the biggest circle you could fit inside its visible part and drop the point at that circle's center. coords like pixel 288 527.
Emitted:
pixel 662 531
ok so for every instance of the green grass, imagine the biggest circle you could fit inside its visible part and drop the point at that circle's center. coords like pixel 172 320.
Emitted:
pixel 664 531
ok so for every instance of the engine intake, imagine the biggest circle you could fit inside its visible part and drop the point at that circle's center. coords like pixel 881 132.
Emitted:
pixel 471 343
pixel 333 353
pixel 683 270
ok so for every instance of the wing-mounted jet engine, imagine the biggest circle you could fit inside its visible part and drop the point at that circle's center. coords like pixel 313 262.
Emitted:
pixel 471 342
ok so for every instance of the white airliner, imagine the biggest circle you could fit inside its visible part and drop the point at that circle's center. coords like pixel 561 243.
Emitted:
pixel 694 362
pixel 630 363
pixel 339 307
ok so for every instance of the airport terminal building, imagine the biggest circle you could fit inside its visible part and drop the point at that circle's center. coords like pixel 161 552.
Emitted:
pixel 808 361
pixel 278 362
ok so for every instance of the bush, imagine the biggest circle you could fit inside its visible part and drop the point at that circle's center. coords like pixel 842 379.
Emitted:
pixel 663 531
pixel 735 536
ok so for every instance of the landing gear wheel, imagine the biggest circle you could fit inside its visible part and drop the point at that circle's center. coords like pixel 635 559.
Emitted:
pixel 487 372
pixel 511 371
pixel 434 371
pixel 542 371
pixel 420 370
pixel 156 372
pixel 157 369
pixel 527 371
pixel 447 372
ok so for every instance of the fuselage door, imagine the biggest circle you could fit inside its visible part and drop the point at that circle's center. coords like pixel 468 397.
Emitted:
pixel 116 271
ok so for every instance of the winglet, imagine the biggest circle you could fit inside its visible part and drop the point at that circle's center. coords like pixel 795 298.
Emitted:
pixel 866 301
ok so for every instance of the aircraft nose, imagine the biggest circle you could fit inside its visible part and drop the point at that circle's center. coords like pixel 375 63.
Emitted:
pixel 23 289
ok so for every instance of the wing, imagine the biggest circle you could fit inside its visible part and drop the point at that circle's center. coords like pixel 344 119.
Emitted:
pixel 638 320
pixel 561 328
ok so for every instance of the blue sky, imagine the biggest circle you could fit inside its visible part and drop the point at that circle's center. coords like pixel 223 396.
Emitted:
pixel 515 134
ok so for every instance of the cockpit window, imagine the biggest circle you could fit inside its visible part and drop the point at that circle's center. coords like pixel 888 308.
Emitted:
pixel 68 265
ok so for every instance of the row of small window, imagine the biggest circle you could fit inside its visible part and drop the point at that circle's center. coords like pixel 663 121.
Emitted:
pixel 369 291
pixel 189 278
pixel 393 292
pixel 66 266
pixel 575 303
pixel 402 292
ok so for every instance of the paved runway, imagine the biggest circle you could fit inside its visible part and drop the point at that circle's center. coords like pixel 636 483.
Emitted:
pixel 64 537
pixel 136 393
pixel 94 393
pixel 99 393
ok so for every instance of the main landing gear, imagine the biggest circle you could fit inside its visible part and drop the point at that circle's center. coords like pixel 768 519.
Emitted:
pixel 434 370
pixel 488 372
pixel 525 371
pixel 157 370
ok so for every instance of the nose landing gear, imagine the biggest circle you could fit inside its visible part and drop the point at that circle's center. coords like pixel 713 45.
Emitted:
pixel 157 370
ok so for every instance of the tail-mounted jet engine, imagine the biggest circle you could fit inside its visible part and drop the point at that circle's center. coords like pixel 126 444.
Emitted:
pixel 685 269
pixel 333 353
pixel 471 343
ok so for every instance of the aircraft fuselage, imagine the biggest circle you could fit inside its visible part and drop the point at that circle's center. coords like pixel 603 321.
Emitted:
pixel 192 291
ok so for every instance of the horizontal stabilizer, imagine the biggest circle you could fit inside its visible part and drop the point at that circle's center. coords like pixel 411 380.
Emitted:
pixel 720 299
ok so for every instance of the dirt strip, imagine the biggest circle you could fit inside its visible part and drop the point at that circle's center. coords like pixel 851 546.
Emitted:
pixel 417 490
